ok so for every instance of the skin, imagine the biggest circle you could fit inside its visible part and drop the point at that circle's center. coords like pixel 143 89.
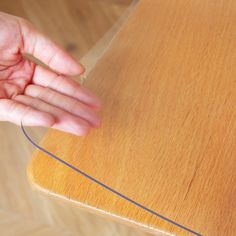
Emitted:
pixel 36 96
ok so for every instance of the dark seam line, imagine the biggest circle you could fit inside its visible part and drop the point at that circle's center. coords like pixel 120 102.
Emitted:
pixel 106 186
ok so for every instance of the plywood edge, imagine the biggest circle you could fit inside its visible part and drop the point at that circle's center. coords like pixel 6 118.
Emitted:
pixel 36 186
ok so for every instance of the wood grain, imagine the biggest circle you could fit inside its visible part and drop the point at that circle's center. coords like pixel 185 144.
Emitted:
pixel 168 138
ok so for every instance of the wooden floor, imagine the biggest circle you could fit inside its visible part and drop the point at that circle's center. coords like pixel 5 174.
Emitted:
pixel 76 25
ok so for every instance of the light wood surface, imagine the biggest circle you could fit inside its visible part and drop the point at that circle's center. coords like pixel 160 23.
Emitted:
pixel 22 211
pixel 168 140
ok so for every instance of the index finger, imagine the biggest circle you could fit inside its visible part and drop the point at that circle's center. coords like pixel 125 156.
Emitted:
pixel 64 85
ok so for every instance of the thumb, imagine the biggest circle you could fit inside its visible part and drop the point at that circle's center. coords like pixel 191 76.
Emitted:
pixel 48 52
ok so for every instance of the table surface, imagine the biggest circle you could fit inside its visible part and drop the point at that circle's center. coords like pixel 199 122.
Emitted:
pixel 168 139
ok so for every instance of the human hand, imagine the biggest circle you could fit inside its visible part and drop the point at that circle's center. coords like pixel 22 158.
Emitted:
pixel 34 95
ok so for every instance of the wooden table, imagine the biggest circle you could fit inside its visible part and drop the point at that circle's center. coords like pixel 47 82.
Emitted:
pixel 168 140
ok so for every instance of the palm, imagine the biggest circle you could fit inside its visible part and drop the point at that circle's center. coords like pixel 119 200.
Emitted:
pixel 34 95
pixel 12 83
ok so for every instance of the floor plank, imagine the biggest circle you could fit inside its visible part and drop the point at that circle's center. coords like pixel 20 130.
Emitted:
pixel 76 26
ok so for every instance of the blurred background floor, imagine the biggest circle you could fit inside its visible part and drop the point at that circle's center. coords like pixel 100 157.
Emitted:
pixel 76 25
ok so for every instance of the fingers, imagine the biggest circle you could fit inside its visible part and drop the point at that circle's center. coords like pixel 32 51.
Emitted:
pixel 48 52
pixel 64 120
pixel 65 103
pixel 17 112
pixel 64 85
